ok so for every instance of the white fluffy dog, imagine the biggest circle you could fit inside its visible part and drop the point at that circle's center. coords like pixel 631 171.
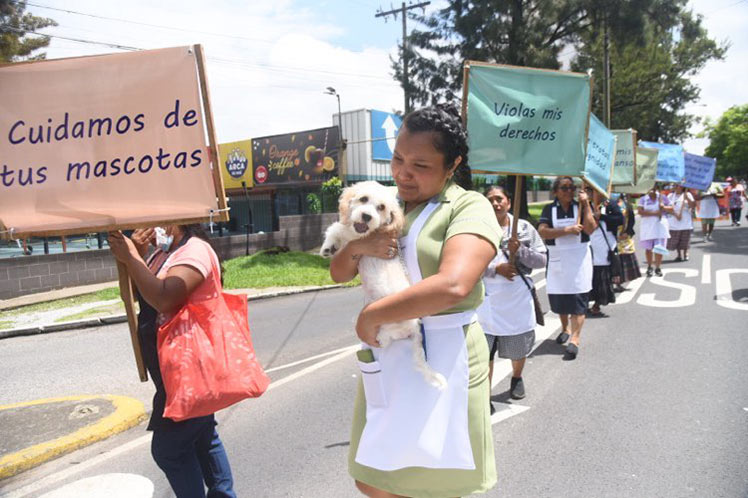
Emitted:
pixel 365 208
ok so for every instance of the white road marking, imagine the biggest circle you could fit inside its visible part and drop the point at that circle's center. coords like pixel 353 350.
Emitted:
pixel 687 295
pixel 109 485
pixel 505 411
pixel 135 443
pixel 724 289
pixel 306 360
pixel 630 292
pixel 706 269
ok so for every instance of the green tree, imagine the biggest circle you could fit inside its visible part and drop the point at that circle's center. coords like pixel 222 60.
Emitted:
pixel 14 26
pixel 650 75
pixel 728 142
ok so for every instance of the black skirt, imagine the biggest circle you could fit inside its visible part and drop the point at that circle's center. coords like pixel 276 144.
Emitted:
pixel 569 304
pixel 602 286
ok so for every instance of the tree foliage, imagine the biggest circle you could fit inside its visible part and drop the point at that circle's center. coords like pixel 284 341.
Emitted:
pixel 14 26
pixel 650 75
pixel 728 142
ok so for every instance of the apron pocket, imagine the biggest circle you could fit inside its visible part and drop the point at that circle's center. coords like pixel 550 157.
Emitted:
pixel 373 384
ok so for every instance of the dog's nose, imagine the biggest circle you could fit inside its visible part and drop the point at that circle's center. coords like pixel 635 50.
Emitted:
pixel 366 217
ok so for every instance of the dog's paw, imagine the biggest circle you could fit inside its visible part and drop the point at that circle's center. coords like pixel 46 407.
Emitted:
pixel 384 340
pixel 328 250
pixel 438 381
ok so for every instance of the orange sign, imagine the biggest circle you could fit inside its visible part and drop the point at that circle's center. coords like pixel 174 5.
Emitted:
pixel 104 141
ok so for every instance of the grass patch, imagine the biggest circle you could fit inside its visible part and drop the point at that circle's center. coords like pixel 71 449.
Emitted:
pixel 284 269
pixel 94 312
pixel 536 208
pixel 5 324
pixel 102 295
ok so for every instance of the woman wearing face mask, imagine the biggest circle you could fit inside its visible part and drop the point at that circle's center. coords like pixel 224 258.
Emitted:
pixel 183 268
pixel 507 314
pixel 654 230
pixel 566 225
pixel 409 438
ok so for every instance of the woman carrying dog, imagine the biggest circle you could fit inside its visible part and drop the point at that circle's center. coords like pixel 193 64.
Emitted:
pixel 409 438
pixel 507 314
pixel 566 225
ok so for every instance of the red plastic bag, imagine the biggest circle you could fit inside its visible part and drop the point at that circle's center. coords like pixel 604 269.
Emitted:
pixel 207 359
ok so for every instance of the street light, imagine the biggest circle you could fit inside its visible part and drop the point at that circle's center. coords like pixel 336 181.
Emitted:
pixel 331 91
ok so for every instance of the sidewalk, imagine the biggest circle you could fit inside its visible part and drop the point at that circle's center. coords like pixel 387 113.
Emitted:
pixel 46 321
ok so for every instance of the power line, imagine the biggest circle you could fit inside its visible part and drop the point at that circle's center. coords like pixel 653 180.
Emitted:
pixel 79 40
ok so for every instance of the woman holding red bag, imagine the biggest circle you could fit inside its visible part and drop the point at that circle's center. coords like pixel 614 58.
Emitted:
pixel 189 452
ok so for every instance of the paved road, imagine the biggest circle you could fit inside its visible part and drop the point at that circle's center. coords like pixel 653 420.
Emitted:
pixel 655 405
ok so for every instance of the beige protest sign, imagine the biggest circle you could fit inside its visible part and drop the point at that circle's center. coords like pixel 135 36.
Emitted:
pixel 102 142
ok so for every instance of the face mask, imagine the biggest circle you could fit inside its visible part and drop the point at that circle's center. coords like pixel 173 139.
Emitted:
pixel 163 241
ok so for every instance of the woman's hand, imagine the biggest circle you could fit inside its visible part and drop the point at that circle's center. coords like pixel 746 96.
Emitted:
pixel 379 245
pixel 583 197
pixel 142 237
pixel 573 229
pixel 122 247
pixel 513 245
pixel 366 329
pixel 506 270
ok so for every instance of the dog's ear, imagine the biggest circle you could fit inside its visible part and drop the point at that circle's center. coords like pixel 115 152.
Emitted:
pixel 344 205
pixel 397 218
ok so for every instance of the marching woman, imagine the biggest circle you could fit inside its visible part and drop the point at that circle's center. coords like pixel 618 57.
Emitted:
pixel 709 209
pixel 409 438
pixel 507 314
pixel 680 221
pixel 654 230
pixel 566 225
pixel 608 217
pixel 626 248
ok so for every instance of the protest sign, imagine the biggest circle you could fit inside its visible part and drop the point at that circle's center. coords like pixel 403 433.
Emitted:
pixel 601 149
pixel 236 164
pixel 699 171
pixel 526 121
pixel 670 163
pixel 624 166
pixel 105 142
pixel 646 171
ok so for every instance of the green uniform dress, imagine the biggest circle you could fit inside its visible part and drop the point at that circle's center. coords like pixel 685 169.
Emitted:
pixel 459 211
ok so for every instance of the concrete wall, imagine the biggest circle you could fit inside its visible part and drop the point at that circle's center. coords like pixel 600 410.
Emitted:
pixel 30 274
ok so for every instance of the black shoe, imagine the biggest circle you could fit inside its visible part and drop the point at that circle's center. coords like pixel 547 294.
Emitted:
pixel 562 337
pixel 658 272
pixel 572 350
pixel 678 259
pixel 517 389
pixel 493 410
pixel 649 271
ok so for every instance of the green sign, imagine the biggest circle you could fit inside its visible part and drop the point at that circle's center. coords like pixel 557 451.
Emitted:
pixel 527 121
pixel 624 168
pixel 646 171
pixel 601 149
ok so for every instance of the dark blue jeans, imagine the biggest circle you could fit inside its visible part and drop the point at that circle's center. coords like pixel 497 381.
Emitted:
pixel 191 453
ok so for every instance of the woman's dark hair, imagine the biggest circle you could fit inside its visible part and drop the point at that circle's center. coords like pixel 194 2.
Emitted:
pixel 451 137
pixel 504 191
pixel 558 180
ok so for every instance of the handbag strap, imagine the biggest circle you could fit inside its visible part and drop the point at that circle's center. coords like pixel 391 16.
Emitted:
pixel 519 273
pixel 604 236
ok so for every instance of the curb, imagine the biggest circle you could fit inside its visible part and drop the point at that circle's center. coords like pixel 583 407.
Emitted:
pixel 128 412
pixel 111 320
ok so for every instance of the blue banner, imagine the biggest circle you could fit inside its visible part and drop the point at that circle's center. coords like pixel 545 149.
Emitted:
pixel 699 171
pixel 601 150
pixel 526 121
pixel 670 162
pixel 384 128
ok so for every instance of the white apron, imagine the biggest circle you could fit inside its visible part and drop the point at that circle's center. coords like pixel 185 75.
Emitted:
pixel 507 307
pixel 408 422
pixel 599 246
pixel 569 260
pixel 653 227
pixel 708 208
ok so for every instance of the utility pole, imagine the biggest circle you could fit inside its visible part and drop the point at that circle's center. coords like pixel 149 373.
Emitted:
pixel 403 11
pixel 606 72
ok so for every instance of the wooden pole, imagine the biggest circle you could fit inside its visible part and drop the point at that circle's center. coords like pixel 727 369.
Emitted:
pixel 223 214
pixel 519 183
pixel 125 290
